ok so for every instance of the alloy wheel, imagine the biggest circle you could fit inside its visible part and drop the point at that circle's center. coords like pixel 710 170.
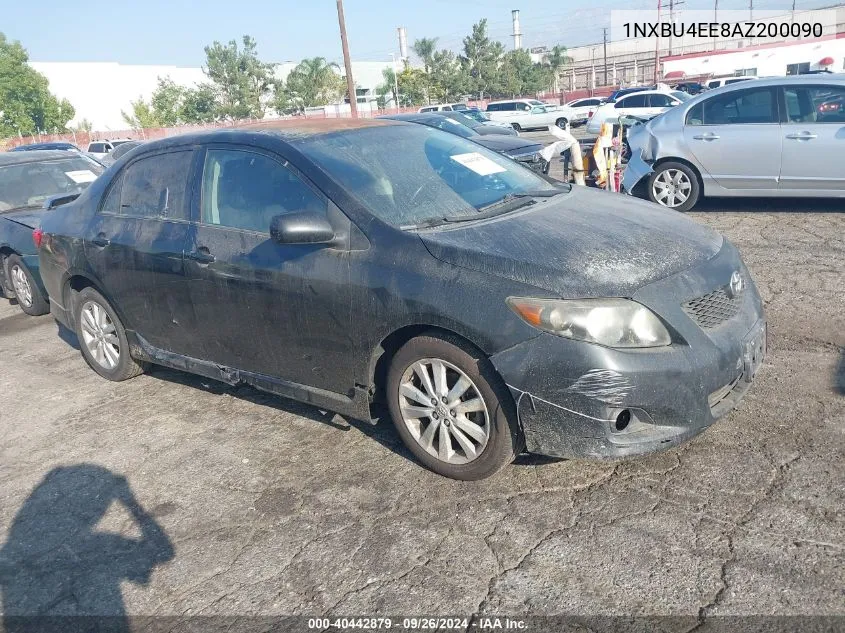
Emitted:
pixel 23 291
pixel 100 336
pixel 671 188
pixel 444 411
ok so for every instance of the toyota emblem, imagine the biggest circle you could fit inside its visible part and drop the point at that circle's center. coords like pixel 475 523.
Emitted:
pixel 735 285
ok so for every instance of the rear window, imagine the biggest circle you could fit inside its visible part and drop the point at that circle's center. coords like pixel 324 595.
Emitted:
pixel 99 148
pixel 29 184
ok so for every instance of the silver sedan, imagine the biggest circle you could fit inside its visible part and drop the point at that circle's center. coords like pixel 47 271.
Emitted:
pixel 781 137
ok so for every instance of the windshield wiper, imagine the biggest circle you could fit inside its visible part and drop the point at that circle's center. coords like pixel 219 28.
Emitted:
pixel 511 197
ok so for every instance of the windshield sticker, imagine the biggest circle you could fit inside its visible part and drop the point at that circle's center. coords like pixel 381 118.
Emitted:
pixel 81 175
pixel 481 165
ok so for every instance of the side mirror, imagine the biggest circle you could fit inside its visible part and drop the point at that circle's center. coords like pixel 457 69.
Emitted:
pixel 302 227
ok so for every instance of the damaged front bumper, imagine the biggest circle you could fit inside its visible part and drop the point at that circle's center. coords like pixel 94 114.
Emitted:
pixel 580 400
pixel 635 171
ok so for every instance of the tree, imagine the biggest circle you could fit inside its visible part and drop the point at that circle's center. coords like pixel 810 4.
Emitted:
pixel 26 104
pixel 83 126
pixel 388 87
pixel 448 80
pixel 141 116
pixel 314 82
pixel 481 60
pixel 413 87
pixel 167 101
pixel 424 48
pixel 242 80
pixel 556 60
pixel 520 76
pixel 199 105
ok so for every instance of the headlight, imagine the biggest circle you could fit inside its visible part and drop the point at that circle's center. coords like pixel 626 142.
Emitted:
pixel 609 322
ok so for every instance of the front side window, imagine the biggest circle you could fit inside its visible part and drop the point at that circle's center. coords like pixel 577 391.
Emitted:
pixel 815 104
pixel 97 148
pixel 660 101
pixel 245 190
pixel 634 101
pixel 440 175
pixel 798 69
pixel 155 187
pixel 744 106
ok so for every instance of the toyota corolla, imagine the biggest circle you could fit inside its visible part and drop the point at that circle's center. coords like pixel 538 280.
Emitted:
pixel 365 266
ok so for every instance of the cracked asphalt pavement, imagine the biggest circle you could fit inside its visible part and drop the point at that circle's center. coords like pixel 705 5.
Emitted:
pixel 264 506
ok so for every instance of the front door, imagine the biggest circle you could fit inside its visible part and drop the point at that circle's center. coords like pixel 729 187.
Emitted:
pixel 135 244
pixel 735 137
pixel 281 310
pixel 813 139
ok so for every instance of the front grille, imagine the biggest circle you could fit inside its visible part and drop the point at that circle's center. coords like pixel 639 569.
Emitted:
pixel 714 308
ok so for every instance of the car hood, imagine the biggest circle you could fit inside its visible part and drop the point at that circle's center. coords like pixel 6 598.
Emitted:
pixel 506 144
pixel 582 244
pixel 27 217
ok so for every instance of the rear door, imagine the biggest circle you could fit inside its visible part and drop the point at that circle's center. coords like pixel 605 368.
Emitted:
pixel 280 310
pixel 735 137
pixel 658 103
pixel 813 138
pixel 135 243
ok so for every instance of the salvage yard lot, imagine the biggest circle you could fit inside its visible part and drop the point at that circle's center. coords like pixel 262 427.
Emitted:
pixel 273 507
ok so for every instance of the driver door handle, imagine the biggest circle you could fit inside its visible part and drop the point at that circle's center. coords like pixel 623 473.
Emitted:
pixel 802 136
pixel 101 241
pixel 706 137
pixel 201 256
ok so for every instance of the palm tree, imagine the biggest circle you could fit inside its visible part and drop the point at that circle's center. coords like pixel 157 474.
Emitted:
pixel 315 81
pixel 556 60
pixel 424 48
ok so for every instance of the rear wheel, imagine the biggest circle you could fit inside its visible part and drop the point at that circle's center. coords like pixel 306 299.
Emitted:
pixel 102 338
pixel 517 127
pixel 452 409
pixel 562 122
pixel 25 287
pixel 674 185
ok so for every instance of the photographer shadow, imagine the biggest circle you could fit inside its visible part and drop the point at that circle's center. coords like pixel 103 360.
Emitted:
pixel 58 571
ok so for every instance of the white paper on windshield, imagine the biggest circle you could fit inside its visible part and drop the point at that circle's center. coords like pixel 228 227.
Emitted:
pixel 81 175
pixel 481 165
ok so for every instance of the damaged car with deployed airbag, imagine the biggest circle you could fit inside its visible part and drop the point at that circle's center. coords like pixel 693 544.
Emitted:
pixel 388 269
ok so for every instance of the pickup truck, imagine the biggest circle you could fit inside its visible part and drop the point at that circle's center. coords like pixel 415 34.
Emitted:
pixel 529 114
pixel 32 183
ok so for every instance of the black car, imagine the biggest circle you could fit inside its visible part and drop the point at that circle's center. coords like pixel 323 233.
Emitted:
pixel 477 122
pixel 525 151
pixel 690 87
pixel 119 151
pixel 360 264
pixel 68 147
pixel 29 182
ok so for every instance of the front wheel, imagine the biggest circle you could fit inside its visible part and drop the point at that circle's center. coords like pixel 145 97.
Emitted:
pixel 562 122
pixel 675 186
pixel 102 338
pixel 25 287
pixel 451 408
pixel 517 127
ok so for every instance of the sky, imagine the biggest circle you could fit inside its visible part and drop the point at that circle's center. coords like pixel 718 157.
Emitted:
pixel 174 32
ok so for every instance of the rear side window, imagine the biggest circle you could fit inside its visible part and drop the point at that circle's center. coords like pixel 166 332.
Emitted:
pixel 245 190
pixel 744 106
pixel 815 104
pixel 98 148
pixel 153 187
pixel 660 101
pixel 713 84
pixel 494 107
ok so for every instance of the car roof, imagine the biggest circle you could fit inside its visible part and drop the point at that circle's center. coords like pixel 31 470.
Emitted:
pixel 512 101
pixel 791 80
pixel 35 156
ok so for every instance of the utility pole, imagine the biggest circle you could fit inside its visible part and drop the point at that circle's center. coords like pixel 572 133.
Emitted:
pixel 350 82
pixel 605 55
pixel 750 10
pixel 657 46
pixel 716 20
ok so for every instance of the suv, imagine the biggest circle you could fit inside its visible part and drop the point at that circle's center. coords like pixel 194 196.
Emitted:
pixel 526 114
pixel 444 107
pixel 726 81
pixel 98 149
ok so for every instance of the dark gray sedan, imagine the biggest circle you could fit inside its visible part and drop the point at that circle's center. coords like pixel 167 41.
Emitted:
pixel 385 269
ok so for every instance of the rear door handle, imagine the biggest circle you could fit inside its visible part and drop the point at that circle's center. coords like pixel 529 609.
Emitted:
pixel 706 137
pixel 202 256
pixel 802 136
pixel 101 241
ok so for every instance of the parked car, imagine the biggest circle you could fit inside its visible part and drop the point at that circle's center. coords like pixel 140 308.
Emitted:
pixel 736 141
pixel 123 148
pixel 644 103
pixel 444 107
pixel 690 87
pixel 98 149
pixel 521 150
pixel 483 124
pixel 528 114
pixel 727 81
pixel 28 182
pixel 68 147
pixel 582 109
pixel 479 302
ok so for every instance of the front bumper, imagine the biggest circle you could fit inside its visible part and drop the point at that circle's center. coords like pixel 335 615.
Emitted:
pixel 572 397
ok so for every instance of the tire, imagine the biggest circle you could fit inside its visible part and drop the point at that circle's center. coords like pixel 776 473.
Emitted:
pixel 488 423
pixel 102 320
pixel 517 127
pixel 562 122
pixel 662 176
pixel 26 290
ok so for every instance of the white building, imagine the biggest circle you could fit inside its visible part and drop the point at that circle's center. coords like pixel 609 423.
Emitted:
pixel 99 91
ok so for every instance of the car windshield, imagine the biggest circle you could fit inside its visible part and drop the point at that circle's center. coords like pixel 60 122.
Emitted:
pixel 462 119
pixel 477 115
pixel 413 175
pixel 448 124
pixel 30 184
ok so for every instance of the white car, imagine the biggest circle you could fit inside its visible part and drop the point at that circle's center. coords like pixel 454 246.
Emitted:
pixel 444 107
pixel 99 149
pixel 527 114
pixel 646 103
pixel 726 81
pixel 582 109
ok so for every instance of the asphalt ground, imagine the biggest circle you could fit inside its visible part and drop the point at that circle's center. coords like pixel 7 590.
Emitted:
pixel 170 495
